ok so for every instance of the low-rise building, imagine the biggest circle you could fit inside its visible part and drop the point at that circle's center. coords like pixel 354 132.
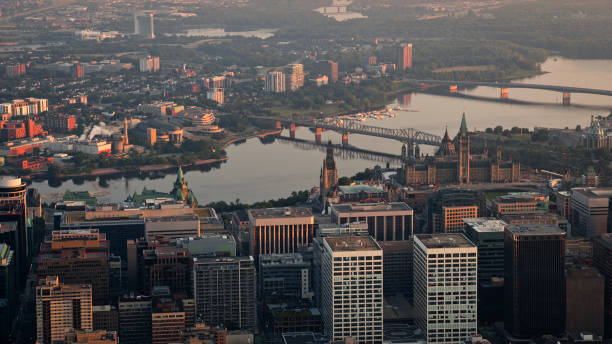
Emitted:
pixel 172 227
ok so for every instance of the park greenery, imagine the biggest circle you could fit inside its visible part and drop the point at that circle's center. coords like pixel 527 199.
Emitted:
pixel 296 198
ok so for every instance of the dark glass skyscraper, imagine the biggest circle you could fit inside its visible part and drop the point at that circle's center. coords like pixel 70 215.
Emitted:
pixel 534 281
pixel 602 259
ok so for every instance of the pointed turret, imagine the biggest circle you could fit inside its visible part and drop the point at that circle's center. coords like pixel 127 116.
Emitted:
pixel 447 147
pixel 179 175
pixel 463 128
pixel 446 137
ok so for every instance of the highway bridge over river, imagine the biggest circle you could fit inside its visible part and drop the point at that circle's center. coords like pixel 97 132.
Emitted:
pixel 505 86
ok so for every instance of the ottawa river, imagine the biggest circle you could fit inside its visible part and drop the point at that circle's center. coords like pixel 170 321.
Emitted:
pixel 256 171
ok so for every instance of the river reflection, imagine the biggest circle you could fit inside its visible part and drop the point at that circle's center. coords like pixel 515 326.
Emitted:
pixel 270 169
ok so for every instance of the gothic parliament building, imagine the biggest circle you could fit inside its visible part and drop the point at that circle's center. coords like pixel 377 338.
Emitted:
pixel 454 164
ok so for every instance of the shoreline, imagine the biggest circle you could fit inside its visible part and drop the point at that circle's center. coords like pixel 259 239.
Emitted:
pixel 102 172
pixel 161 168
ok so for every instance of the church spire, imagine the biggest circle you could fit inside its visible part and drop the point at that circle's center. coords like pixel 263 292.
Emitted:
pixel 463 128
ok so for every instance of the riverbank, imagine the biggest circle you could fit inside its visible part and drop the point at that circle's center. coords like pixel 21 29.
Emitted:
pixel 155 168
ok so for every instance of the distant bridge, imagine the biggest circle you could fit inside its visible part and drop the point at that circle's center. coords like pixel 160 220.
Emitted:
pixel 345 152
pixel 564 89
pixel 453 86
pixel 405 135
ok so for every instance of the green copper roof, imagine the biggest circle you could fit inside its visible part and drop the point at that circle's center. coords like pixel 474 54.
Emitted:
pixel 463 124
pixel 179 175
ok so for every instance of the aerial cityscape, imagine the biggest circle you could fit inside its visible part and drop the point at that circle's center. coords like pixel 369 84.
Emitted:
pixel 305 172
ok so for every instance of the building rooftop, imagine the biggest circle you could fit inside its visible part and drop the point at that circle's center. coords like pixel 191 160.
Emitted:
pixel 368 207
pixel 534 229
pixel 485 224
pixel 242 214
pixel 448 240
pixel 520 197
pixel 347 244
pixel 280 259
pixel 177 218
pixel 303 338
pixel 354 189
pixel 10 182
pixel 594 192
pixel 280 212
pixel 8 227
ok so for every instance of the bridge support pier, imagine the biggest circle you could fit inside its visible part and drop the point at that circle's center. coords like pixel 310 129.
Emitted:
pixel 566 98
pixel 345 139
pixel 407 99
pixel 504 93
pixel 318 132
pixel 279 125
pixel 292 130
pixel 453 89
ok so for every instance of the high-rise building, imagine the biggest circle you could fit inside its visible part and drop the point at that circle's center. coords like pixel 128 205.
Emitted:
pixel 584 300
pixel 351 288
pixel 602 260
pixel 216 94
pixel 106 317
pixel 445 287
pixel 15 69
pixel 8 287
pixel 13 228
pixel 77 257
pixel 488 235
pixel 333 71
pixel 386 221
pixel 225 291
pixel 166 265
pixel 61 308
pixel 534 281
pixel 279 230
pixel 283 278
pixel 149 64
pixel 590 207
pixel 397 266
pixel 275 82
pixel 78 70
pixel 151 136
pixel 404 56
pixel 135 319
pixel 295 76
pixel 329 174
pixel 144 25
pixel 447 208
pixel 167 320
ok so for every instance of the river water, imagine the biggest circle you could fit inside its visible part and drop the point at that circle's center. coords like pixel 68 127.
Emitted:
pixel 260 171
